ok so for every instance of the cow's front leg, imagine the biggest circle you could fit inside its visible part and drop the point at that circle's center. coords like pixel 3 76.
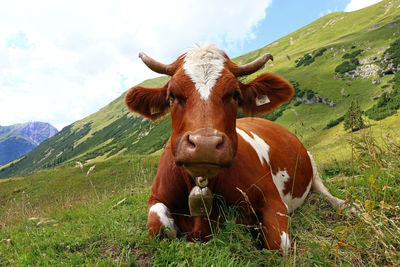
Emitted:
pixel 160 221
pixel 275 227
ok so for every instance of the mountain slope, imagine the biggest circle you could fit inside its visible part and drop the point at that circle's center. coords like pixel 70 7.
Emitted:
pixel 308 57
pixel 14 147
pixel 110 131
pixel 16 140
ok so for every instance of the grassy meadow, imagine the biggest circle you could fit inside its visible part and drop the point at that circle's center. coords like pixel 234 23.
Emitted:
pixel 65 216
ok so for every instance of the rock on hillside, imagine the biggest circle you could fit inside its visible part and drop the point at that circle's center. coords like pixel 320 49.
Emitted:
pixel 18 139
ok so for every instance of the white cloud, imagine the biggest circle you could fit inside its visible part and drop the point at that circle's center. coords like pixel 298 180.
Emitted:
pixel 4 61
pixel 65 59
pixel 359 4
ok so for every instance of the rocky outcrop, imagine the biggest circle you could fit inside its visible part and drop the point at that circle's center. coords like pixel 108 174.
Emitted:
pixel 366 71
pixel 316 99
pixel 371 70
pixel 376 81
pixel 389 69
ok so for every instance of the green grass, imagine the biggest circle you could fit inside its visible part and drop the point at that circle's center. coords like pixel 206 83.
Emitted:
pixel 64 217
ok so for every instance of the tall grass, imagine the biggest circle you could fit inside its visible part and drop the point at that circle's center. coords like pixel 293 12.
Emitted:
pixel 378 167
pixel 371 183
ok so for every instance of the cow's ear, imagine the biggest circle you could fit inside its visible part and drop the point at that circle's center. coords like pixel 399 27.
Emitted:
pixel 151 103
pixel 265 93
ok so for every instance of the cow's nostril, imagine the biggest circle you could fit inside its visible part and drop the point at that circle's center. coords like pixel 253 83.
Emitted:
pixel 190 141
pixel 220 142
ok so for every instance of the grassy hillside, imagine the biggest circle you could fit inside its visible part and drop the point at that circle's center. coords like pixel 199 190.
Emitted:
pixel 13 147
pixel 370 30
pixel 307 57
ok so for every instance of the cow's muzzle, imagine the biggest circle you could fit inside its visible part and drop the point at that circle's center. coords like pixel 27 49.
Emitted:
pixel 204 152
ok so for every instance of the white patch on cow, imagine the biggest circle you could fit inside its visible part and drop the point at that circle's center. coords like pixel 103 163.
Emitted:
pixel 281 177
pixel 165 218
pixel 258 144
pixel 285 243
pixel 297 202
pixel 204 67
pixel 261 100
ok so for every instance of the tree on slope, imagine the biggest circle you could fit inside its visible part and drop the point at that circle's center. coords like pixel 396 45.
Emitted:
pixel 353 118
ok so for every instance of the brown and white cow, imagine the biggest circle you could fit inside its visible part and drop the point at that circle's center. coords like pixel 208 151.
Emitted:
pixel 257 156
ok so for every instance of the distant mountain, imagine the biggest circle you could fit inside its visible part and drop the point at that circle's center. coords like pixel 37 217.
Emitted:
pixel 339 58
pixel 18 139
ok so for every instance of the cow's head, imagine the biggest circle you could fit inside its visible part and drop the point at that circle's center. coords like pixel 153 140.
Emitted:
pixel 204 96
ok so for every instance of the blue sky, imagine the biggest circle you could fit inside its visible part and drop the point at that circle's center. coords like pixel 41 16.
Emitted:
pixel 285 16
pixel 63 60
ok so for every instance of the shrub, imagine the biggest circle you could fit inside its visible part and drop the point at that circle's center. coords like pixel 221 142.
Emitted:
pixel 345 67
pixel 307 59
pixel 394 52
pixel 319 52
pixel 388 103
pixel 333 123
pixel 351 55
pixel 300 93
pixel 274 115
pixel 350 65
pixel 297 103
pixel 396 80
pixel 310 94
pixel 355 61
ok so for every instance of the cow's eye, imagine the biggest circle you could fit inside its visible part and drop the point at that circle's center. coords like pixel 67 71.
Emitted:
pixel 236 95
pixel 171 96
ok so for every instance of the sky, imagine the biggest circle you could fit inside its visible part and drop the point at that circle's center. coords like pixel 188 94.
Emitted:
pixel 61 61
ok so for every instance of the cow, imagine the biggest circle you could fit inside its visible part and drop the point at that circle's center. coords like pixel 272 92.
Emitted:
pixel 251 163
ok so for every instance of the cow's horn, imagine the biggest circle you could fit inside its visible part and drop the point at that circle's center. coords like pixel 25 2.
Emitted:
pixel 252 67
pixel 157 66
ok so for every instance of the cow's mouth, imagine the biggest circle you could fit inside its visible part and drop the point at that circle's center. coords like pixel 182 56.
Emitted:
pixel 202 169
